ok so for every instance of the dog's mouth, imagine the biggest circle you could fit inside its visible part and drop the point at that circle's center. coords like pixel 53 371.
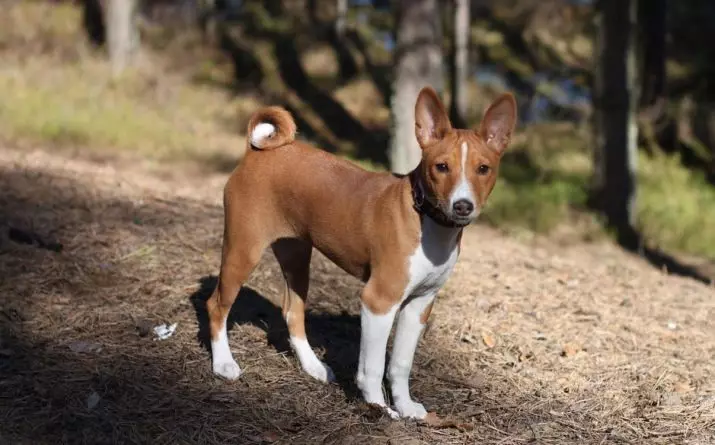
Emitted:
pixel 463 220
pixel 456 219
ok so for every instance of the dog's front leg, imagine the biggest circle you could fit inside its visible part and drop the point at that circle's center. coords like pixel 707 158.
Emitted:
pixel 410 324
pixel 376 318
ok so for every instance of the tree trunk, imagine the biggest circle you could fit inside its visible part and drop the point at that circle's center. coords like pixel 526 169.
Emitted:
pixel 418 63
pixel 652 15
pixel 348 66
pixel 459 64
pixel 341 16
pixel 122 33
pixel 616 96
pixel 312 6
pixel 93 21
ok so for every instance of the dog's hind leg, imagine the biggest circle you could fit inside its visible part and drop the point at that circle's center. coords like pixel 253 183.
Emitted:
pixel 241 254
pixel 293 255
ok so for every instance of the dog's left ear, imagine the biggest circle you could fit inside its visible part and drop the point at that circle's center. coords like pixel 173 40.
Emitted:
pixel 499 122
pixel 431 119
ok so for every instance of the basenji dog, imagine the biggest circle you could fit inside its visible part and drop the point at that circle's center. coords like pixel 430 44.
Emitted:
pixel 400 235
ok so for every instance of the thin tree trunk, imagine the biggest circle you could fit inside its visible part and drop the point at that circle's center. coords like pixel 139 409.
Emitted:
pixel 652 14
pixel 312 6
pixel 341 17
pixel 616 96
pixel 348 66
pixel 459 64
pixel 653 103
pixel 122 33
pixel 418 63
pixel 94 23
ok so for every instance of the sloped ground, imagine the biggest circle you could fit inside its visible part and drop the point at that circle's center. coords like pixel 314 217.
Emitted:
pixel 532 342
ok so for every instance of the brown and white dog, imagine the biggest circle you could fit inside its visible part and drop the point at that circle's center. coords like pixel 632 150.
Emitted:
pixel 400 235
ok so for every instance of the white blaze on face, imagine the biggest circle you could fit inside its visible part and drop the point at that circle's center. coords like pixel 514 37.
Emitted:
pixel 463 189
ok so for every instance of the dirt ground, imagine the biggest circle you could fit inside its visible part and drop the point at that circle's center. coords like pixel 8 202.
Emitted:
pixel 530 341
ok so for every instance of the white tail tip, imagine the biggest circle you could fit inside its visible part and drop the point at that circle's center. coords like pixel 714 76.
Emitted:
pixel 261 132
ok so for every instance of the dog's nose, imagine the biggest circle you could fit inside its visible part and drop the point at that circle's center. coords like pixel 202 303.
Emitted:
pixel 463 207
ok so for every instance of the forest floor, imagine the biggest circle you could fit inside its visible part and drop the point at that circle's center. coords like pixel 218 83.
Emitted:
pixel 111 224
pixel 531 341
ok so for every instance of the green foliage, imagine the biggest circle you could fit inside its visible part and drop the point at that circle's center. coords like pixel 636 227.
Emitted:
pixel 539 206
pixel 61 99
pixel 539 190
pixel 69 114
pixel 676 206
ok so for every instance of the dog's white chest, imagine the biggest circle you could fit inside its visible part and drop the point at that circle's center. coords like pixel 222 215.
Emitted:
pixel 433 260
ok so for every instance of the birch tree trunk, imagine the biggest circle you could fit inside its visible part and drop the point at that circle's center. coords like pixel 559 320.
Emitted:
pixel 616 97
pixel 459 64
pixel 122 33
pixel 418 63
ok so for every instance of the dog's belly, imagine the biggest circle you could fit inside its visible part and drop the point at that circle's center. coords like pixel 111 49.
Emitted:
pixel 351 265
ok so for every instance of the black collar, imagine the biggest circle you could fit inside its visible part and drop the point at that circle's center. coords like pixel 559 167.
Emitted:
pixel 424 206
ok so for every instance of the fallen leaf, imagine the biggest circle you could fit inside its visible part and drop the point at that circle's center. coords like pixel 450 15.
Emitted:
pixel 570 349
pixel 85 347
pixel 488 340
pixel 434 421
pixel 270 436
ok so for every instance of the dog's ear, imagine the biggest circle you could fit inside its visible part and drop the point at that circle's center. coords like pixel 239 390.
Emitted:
pixel 499 122
pixel 431 119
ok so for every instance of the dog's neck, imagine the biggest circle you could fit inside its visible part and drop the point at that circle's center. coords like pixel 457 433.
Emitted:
pixel 424 204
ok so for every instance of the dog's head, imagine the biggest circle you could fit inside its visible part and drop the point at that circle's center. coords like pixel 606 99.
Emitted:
pixel 459 167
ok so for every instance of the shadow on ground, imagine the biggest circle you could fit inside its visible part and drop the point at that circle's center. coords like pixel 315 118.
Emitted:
pixel 78 363
pixel 337 334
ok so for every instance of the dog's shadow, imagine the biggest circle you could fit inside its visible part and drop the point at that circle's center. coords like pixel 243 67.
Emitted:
pixel 339 334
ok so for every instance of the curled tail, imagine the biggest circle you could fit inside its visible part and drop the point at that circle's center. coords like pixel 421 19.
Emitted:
pixel 270 128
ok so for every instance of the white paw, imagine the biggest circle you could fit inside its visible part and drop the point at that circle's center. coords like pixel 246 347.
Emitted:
pixel 319 371
pixel 411 410
pixel 228 370
pixel 394 415
pixel 389 411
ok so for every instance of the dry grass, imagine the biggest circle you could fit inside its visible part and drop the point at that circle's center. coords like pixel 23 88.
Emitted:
pixel 588 345
pixel 58 90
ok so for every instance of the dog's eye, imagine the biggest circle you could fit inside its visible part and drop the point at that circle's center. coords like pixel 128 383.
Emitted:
pixel 442 167
pixel 483 169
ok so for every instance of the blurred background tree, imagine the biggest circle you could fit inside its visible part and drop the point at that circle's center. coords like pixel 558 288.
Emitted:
pixel 122 33
pixel 459 63
pixel 418 61
pixel 614 96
